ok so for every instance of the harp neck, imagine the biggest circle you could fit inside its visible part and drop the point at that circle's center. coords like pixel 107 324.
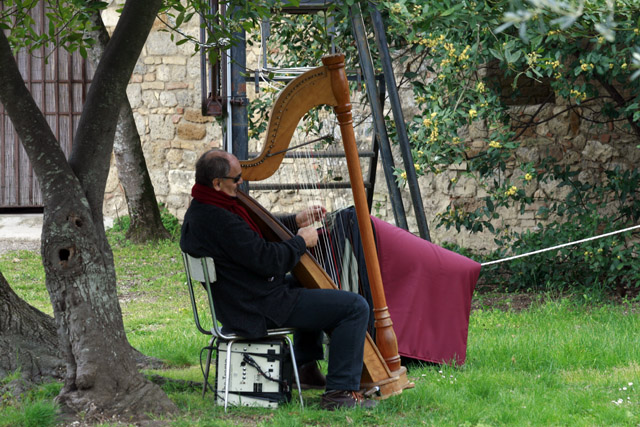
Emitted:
pixel 309 90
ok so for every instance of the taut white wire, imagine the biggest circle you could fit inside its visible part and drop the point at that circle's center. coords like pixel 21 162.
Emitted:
pixel 561 246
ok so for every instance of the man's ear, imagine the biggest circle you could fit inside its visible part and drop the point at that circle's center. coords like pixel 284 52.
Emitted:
pixel 216 183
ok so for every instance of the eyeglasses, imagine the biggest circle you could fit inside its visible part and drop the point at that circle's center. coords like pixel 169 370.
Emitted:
pixel 235 179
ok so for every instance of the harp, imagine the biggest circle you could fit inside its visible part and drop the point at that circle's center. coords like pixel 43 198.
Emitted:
pixel 327 85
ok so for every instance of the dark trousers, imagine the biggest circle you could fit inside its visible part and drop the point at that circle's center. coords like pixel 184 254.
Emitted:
pixel 344 316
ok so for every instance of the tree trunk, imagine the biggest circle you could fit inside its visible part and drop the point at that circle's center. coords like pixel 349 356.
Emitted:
pixel 146 223
pixel 30 336
pixel 101 376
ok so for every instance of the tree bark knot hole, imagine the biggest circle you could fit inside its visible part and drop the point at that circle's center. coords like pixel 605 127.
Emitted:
pixel 75 220
pixel 66 256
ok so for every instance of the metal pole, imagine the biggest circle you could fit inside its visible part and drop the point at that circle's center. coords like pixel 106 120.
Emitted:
pixel 378 116
pixel 239 120
pixel 403 141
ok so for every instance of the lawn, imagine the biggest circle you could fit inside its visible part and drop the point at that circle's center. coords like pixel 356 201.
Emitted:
pixel 558 361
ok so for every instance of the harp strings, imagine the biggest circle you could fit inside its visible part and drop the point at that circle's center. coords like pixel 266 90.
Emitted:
pixel 316 170
pixel 325 164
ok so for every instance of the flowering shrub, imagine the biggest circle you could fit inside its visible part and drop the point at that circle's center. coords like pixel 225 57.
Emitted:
pixel 465 75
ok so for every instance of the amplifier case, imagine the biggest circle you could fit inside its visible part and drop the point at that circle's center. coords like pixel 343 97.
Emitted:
pixel 261 372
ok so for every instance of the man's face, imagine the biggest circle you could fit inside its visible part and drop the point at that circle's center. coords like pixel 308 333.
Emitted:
pixel 230 183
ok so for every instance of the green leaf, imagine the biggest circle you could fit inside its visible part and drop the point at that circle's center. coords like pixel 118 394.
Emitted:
pixel 496 54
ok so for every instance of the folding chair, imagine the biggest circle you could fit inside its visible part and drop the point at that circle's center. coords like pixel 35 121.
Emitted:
pixel 203 270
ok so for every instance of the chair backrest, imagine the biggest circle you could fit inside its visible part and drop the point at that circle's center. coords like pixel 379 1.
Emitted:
pixel 202 270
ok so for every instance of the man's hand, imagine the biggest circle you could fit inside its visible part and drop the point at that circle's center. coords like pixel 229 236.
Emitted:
pixel 310 236
pixel 310 215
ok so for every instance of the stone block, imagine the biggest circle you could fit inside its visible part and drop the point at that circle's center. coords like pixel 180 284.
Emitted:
pixel 465 187
pixel 176 85
pixel 191 131
pixel 187 97
pixel 597 152
pixel 174 157
pixel 141 123
pixel 160 43
pixel 168 99
pixel 161 127
pixel 181 181
pixel 175 60
pixel 155 85
pixel 478 130
pixel 160 183
pixel 150 99
pixel 134 93
pixel 195 116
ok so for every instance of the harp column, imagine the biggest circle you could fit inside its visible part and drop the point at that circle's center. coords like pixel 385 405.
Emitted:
pixel 386 340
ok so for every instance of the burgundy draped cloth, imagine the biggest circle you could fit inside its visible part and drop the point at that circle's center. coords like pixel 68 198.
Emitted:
pixel 428 291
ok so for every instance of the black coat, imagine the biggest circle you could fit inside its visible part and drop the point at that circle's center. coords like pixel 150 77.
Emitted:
pixel 250 271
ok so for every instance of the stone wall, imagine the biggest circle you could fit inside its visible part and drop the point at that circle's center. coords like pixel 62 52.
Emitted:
pixel 164 93
pixel 165 96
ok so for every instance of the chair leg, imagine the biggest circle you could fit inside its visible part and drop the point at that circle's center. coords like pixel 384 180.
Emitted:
pixel 295 370
pixel 227 378
pixel 208 366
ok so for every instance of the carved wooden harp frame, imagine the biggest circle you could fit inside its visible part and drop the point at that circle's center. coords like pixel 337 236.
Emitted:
pixel 328 85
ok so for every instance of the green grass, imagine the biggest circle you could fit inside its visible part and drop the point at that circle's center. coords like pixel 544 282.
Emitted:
pixel 559 362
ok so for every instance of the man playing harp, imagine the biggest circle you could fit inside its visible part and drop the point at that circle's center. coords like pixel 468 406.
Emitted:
pixel 253 291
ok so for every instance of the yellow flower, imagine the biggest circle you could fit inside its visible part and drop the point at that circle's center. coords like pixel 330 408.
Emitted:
pixel 421 99
pixel 480 87
pixel 600 40
pixel 636 31
pixel 532 58
pixel 578 94
pixel 417 166
pixel 511 191
pixel 495 144
pixel 611 66
pixel 454 179
pixel 472 113
pixel 528 177
pixel 433 115
pixel 456 140
pixel 427 122
pixel 624 66
pixel 403 175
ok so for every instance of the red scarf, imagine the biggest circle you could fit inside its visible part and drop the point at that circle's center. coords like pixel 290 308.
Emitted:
pixel 210 196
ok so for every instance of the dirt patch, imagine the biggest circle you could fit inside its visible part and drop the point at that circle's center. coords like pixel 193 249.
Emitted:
pixel 505 301
pixel 7 245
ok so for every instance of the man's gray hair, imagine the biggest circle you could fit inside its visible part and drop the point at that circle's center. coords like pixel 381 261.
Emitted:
pixel 212 164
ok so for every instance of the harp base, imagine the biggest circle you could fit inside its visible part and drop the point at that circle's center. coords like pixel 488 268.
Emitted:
pixel 391 386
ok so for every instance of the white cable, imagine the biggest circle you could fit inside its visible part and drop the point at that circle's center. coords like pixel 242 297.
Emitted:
pixel 561 246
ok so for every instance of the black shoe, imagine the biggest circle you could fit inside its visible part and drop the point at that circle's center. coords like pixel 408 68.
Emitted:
pixel 311 377
pixel 336 399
